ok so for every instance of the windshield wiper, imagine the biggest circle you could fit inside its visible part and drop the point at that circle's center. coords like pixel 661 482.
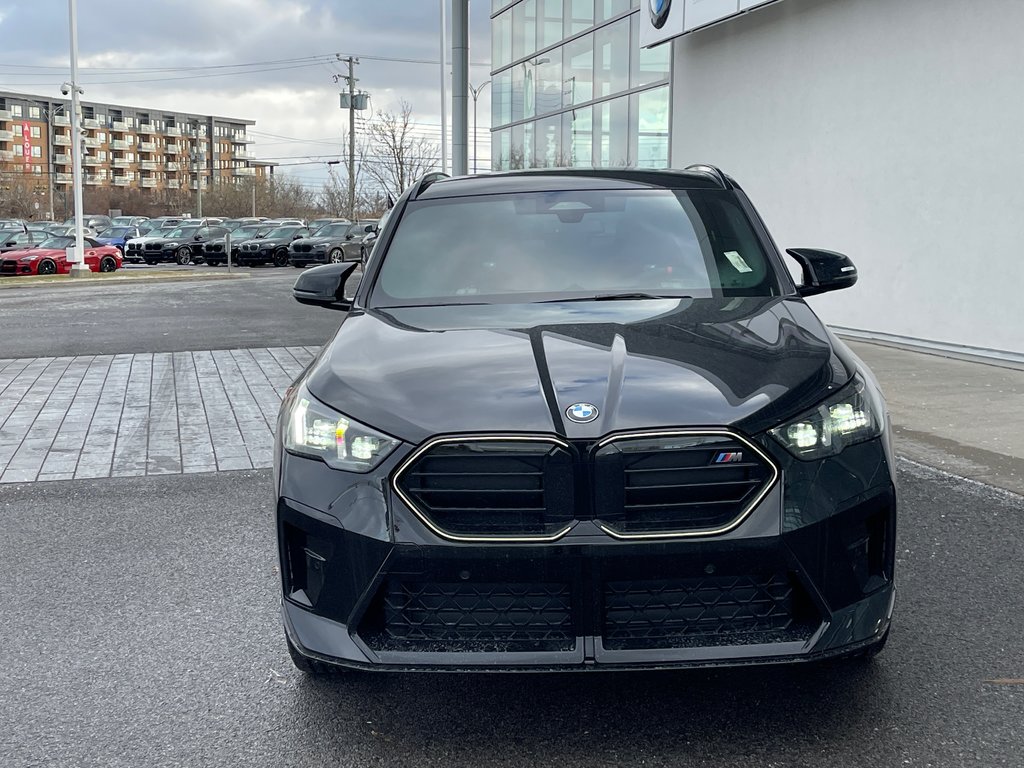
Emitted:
pixel 613 297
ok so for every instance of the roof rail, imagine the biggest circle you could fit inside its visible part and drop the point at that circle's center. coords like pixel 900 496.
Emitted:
pixel 712 171
pixel 425 181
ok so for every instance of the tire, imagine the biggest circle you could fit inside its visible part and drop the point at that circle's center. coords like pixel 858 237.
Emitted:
pixel 309 666
pixel 151 262
pixel 183 255
pixel 46 267
pixel 298 266
pixel 281 257
pixel 336 256
pixel 107 264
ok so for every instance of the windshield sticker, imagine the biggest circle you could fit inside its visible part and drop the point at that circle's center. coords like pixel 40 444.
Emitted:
pixel 737 261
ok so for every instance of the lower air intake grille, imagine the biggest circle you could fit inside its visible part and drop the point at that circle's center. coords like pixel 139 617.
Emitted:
pixel 735 610
pixel 508 488
pixel 685 484
pixel 302 248
pixel 493 617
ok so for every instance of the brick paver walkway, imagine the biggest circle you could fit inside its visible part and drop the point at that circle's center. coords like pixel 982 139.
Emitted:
pixel 144 414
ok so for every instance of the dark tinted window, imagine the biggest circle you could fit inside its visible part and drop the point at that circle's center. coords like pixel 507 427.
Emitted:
pixel 550 245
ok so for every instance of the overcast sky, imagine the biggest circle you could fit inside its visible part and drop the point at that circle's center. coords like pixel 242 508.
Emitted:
pixel 154 52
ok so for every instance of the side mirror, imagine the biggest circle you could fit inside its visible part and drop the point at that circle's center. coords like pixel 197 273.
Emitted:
pixel 324 286
pixel 370 238
pixel 823 270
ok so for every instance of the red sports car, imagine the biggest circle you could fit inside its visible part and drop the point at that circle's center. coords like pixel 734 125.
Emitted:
pixel 50 258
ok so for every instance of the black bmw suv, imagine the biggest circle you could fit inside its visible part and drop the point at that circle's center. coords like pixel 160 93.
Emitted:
pixel 582 419
pixel 271 247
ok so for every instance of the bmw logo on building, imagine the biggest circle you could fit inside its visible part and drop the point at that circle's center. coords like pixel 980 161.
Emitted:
pixel 581 413
pixel 659 12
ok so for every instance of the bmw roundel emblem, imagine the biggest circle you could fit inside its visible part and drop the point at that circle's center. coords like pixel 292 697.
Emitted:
pixel 581 413
pixel 659 12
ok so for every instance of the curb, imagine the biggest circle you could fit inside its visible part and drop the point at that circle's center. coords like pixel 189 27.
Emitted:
pixel 64 280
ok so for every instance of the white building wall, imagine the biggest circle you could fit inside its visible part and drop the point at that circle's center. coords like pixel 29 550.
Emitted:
pixel 890 130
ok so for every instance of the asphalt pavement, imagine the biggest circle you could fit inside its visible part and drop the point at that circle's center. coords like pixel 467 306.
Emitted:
pixel 140 627
pixel 161 316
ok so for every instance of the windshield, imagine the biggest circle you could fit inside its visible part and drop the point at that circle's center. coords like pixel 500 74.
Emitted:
pixel 573 245
pixel 122 221
pixel 247 230
pixel 332 230
pixel 119 232
pixel 281 232
pixel 183 232
pixel 57 243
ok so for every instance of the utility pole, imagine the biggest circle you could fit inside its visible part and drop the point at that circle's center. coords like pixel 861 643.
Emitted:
pixel 78 266
pixel 198 159
pixel 460 90
pixel 254 197
pixel 444 90
pixel 351 139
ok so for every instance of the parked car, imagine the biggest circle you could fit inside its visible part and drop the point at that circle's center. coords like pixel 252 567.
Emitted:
pixel 12 240
pixel 582 420
pixel 271 248
pixel 17 225
pixel 118 236
pixel 95 222
pixel 356 243
pixel 135 248
pixel 316 224
pixel 50 257
pixel 323 246
pixel 183 245
pixel 161 222
pixel 241 222
pixel 285 222
pixel 128 221
pixel 64 230
pixel 213 249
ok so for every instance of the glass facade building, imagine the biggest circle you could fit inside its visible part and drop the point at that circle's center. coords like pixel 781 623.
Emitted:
pixel 572 87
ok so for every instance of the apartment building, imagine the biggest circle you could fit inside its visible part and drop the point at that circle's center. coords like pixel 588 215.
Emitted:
pixel 125 147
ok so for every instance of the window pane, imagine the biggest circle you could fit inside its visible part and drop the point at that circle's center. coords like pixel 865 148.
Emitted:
pixel 579 15
pixel 501 40
pixel 607 9
pixel 611 132
pixel 549 139
pixel 501 143
pixel 524 29
pixel 650 65
pixel 549 23
pixel 611 59
pixel 501 98
pixel 549 82
pixel 577 127
pixel 528 145
pixel 579 70
pixel 652 128
pixel 515 154
pixel 518 91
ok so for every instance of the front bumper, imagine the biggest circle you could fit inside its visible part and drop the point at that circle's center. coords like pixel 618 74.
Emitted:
pixel 306 258
pixel 807 575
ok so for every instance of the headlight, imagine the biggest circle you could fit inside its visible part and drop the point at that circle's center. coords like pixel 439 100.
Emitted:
pixel 34 257
pixel 171 245
pixel 320 432
pixel 853 415
pixel 320 246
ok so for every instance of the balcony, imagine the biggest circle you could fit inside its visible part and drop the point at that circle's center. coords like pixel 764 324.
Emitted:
pixel 120 144
pixel 7 136
pixel 92 160
pixel 172 149
pixel 241 154
pixel 147 146
pixel 242 139
pixel 172 184
pixel 123 162
pixel 62 141
pixel 62 159
pixel 147 128
pixel 172 166
pixel 118 125
pixel 5 114
pixel 7 155
pixel 148 183
pixel 92 142
pixel 93 180
pixel 121 181
pixel 171 131
pixel 65 178
pixel 90 122
pixel 149 165
pixel 61 119
pixel 243 171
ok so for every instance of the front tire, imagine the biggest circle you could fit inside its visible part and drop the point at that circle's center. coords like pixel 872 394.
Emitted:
pixel 107 264
pixel 46 267
pixel 281 257
pixel 336 256
pixel 183 255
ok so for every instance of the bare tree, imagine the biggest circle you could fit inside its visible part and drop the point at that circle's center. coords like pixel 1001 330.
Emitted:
pixel 397 155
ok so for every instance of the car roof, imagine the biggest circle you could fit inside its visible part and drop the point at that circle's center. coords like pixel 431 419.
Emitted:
pixel 563 179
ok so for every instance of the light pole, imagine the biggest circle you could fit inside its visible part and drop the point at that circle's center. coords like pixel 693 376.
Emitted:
pixel 50 113
pixel 78 266
pixel 476 95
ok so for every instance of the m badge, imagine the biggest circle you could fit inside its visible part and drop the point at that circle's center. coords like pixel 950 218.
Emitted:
pixel 730 457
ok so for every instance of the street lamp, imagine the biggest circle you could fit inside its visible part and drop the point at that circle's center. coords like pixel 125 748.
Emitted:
pixel 49 113
pixel 476 95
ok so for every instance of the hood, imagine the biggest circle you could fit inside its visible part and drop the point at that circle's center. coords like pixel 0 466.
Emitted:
pixel 145 239
pixel 39 253
pixel 261 241
pixel 417 372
